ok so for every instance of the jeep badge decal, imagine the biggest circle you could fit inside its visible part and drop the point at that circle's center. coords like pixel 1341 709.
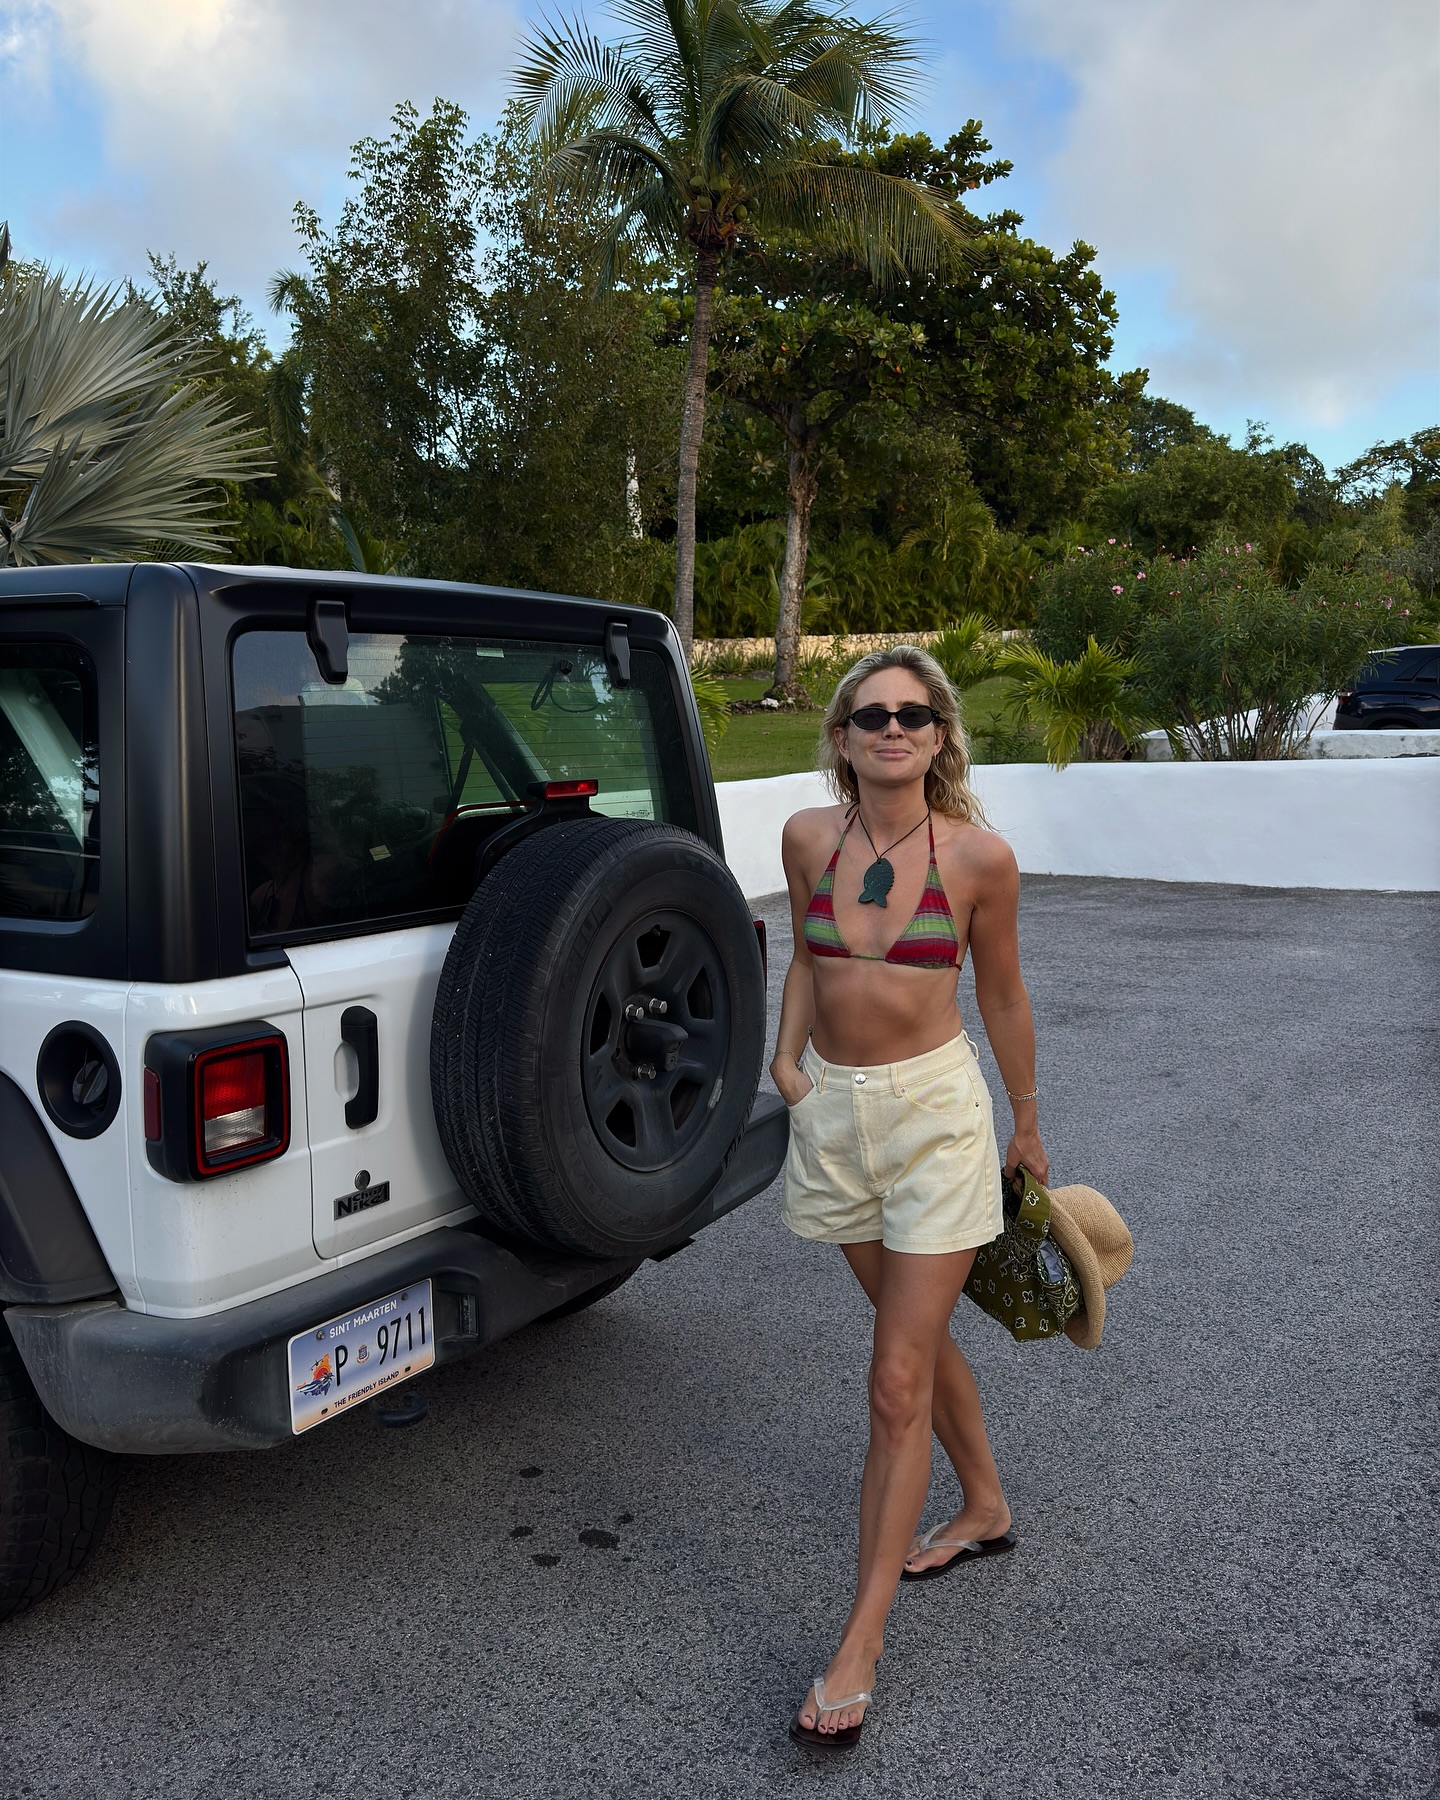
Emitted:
pixel 362 1199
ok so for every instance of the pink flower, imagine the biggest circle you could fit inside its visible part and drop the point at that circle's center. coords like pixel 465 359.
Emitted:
pixel 1387 602
pixel 1109 540
pixel 1247 546
pixel 1116 590
pixel 1140 576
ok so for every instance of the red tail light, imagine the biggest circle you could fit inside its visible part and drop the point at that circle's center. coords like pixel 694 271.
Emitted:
pixel 216 1099
pixel 232 1102
pixel 241 1105
pixel 571 790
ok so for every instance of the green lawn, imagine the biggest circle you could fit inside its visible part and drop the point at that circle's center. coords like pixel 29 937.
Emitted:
pixel 783 743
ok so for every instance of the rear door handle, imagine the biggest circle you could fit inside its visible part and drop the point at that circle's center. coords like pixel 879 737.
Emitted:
pixel 361 1031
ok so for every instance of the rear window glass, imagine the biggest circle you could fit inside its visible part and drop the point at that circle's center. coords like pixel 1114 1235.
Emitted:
pixel 1382 669
pixel 1427 669
pixel 49 782
pixel 368 801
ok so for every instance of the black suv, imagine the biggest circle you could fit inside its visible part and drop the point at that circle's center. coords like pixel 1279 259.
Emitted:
pixel 371 984
pixel 1397 690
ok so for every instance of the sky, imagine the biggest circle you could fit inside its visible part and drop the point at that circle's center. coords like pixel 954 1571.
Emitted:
pixel 1260 179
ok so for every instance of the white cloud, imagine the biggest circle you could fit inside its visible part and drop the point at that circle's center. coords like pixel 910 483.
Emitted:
pixel 215 116
pixel 1272 164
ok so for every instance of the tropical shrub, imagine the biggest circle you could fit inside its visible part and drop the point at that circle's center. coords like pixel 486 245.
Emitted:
pixel 1090 709
pixel 965 650
pixel 713 706
pixel 1102 592
pixel 1230 657
pixel 856 583
pixel 1232 661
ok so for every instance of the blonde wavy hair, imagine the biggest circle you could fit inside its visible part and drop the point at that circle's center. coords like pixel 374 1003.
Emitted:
pixel 947 781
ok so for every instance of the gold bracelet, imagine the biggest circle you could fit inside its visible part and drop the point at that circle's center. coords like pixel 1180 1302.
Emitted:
pixel 791 1054
pixel 1034 1094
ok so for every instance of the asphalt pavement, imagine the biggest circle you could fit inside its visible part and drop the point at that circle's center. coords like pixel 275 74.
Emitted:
pixel 613 1557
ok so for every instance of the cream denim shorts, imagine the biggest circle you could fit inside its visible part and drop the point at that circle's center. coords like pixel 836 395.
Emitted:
pixel 904 1152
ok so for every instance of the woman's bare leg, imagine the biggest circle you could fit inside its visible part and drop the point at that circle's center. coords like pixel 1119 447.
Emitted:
pixel 914 1298
pixel 958 1422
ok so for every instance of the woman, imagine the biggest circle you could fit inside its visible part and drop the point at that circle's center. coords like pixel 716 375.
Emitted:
pixel 892 1150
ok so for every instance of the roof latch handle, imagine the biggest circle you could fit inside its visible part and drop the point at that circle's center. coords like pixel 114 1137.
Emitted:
pixel 329 636
pixel 617 652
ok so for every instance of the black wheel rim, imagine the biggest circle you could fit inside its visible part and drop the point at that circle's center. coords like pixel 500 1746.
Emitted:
pixel 645 1122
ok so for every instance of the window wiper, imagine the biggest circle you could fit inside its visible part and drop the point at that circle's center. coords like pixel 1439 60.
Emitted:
pixel 545 689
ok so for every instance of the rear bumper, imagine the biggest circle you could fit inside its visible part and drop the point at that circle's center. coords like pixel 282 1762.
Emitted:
pixel 132 1382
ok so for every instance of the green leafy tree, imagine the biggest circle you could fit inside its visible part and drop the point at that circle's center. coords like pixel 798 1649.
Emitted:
pixel 1414 462
pixel 804 368
pixel 384 324
pixel 572 471
pixel 1192 491
pixel 109 447
pixel 711 122
pixel 1156 425
pixel 471 405
pixel 1017 343
pixel 285 514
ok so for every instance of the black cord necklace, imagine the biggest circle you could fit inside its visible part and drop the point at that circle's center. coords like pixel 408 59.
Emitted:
pixel 880 876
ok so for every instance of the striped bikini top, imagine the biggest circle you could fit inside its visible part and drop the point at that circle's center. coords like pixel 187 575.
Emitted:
pixel 929 941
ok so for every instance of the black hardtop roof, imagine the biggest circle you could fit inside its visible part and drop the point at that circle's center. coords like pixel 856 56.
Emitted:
pixel 103 584
pixel 107 584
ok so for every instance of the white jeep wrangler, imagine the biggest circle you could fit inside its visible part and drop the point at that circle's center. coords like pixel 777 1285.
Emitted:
pixel 371 985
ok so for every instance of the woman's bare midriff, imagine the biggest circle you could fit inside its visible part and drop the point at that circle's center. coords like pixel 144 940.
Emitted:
pixel 877 1012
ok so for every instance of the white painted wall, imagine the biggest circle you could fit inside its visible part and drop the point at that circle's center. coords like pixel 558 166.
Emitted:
pixel 1328 824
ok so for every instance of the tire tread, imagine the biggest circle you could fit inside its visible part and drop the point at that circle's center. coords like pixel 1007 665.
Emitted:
pixel 55 1492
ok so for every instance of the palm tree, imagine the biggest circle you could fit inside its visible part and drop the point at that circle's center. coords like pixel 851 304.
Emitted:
pixel 107 448
pixel 1089 708
pixel 710 122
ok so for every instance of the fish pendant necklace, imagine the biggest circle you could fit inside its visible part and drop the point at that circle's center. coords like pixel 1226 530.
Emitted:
pixel 880 876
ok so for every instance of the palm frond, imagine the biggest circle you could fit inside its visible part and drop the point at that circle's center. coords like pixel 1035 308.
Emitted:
pixel 896 226
pixel 69 357
pixel 650 223
pixel 881 65
pixel 571 83
pixel 107 442
pixel 1069 699
pixel 665 45
pixel 608 169
pixel 101 504
pixel 965 650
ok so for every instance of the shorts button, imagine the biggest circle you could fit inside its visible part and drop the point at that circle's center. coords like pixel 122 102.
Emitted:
pixel 859 1081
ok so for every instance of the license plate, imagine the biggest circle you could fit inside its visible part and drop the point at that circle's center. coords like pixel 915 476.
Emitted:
pixel 358 1355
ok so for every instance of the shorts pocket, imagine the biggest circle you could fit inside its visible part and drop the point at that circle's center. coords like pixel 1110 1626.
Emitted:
pixel 951 1091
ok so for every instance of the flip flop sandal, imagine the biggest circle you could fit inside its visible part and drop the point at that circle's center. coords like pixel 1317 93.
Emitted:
pixel 844 1739
pixel 966 1550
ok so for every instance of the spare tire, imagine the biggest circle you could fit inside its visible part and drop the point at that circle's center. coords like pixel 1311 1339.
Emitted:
pixel 597 1036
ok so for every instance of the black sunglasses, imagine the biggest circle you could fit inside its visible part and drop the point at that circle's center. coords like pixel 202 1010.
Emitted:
pixel 913 717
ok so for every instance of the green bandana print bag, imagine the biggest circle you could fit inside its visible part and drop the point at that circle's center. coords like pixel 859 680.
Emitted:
pixel 1023 1278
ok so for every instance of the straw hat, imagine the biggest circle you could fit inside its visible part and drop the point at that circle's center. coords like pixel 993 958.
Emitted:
pixel 1097 1241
